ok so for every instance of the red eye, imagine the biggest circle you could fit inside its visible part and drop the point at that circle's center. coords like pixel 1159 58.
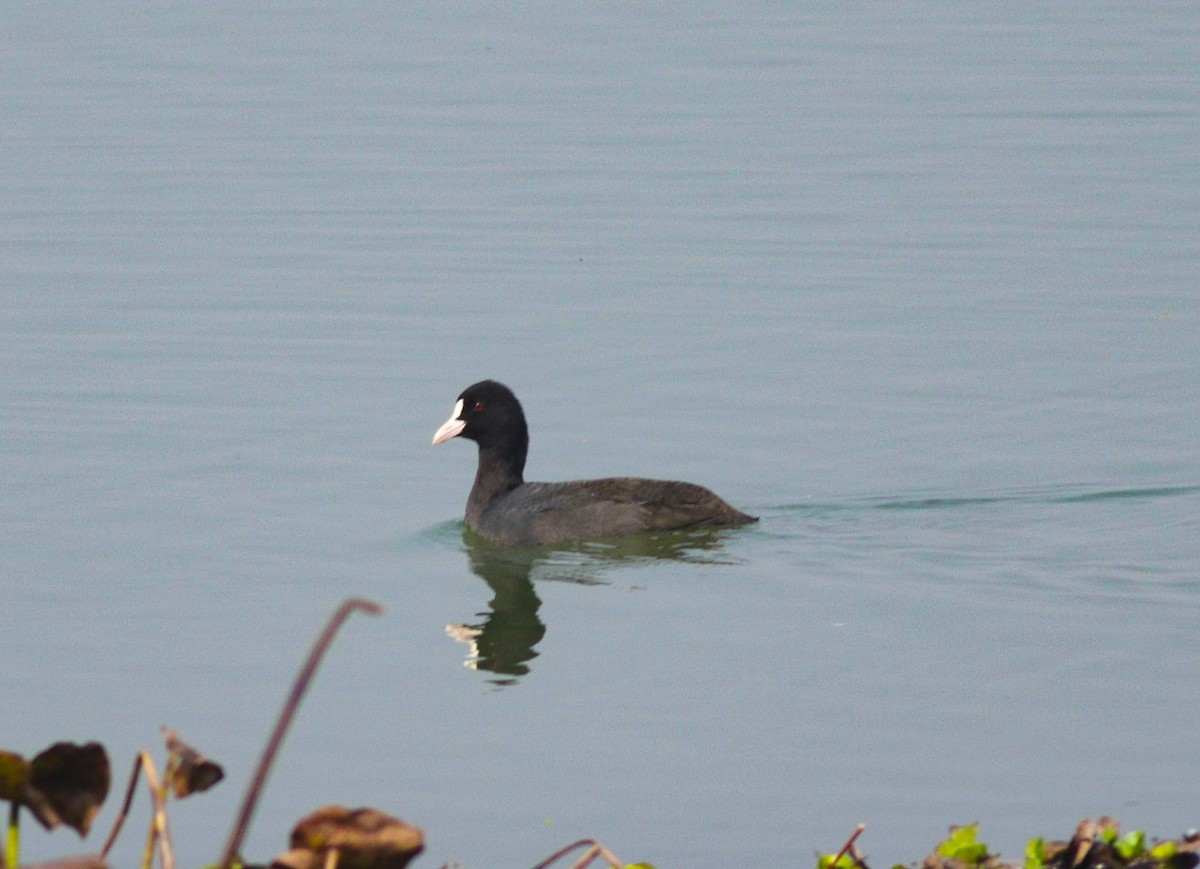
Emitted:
pixel 477 406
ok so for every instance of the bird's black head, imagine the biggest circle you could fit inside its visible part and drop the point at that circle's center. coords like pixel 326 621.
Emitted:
pixel 488 413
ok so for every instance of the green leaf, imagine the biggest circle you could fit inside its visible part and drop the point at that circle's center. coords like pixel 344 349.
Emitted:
pixel 961 845
pixel 1131 845
pixel 1164 850
pixel 1035 853
pixel 825 861
pixel 639 866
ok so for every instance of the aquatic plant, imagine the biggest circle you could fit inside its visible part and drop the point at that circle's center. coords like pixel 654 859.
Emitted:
pixel 1095 845
pixel 65 784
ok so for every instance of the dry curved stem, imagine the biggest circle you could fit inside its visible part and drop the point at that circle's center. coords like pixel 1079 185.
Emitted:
pixel 124 813
pixel 159 829
pixel 594 850
pixel 299 687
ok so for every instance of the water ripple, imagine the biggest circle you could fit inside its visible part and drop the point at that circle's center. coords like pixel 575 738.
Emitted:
pixel 1071 494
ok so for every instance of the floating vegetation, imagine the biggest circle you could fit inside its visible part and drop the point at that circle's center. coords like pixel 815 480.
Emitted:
pixel 1095 845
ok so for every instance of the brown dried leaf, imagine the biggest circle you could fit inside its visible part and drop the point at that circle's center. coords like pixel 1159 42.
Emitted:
pixel 363 838
pixel 192 772
pixel 67 784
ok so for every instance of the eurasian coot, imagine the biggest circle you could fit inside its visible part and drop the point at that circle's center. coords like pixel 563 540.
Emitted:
pixel 504 509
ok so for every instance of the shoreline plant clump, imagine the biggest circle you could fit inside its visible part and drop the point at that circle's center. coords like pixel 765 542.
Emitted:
pixel 1096 844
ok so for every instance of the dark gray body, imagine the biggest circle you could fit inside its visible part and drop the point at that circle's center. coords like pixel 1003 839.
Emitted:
pixel 541 513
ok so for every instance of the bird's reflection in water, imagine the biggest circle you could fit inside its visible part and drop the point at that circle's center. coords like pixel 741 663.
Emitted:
pixel 504 642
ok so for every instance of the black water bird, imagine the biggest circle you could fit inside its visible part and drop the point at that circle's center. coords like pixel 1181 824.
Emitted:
pixel 505 509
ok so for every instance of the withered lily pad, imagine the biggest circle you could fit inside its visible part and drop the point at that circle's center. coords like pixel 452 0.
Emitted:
pixel 192 772
pixel 67 784
pixel 363 839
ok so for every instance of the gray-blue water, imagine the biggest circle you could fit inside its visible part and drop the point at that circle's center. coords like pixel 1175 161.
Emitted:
pixel 916 283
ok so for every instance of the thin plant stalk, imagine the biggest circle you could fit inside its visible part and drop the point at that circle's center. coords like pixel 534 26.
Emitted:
pixel 12 839
pixel 124 813
pixel 299 687
pixel 151 841
pixel 846 849
pixel 597 850
pixel 160 832
pixel 594 850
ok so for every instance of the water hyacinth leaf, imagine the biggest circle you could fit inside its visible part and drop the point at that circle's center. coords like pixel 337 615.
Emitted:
pixel 1179 858
pixel 1110 828
pixel 827 861
pixel 191 772
pixel 1035 853
pixel 961 845
pixel 1131 846
pixel 14 769
pixel 1164 850
pixel 67 784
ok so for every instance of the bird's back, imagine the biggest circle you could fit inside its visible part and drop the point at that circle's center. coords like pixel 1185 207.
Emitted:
pixel 541 513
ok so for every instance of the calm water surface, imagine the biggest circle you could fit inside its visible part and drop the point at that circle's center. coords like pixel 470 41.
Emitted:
pixel 917 285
